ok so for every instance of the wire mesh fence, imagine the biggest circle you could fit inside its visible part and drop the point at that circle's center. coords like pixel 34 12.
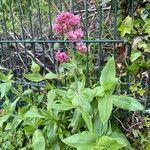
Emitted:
pixel 26 33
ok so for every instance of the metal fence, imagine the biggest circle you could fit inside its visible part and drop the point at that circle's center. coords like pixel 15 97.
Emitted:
pixel 26 32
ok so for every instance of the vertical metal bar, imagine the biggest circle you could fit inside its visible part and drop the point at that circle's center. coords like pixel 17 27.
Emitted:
pixel 100 53
pixel 148 93
pixel 72 6
pixel 14 31
pixel 30 27
pixel 41 33
pixel 6 30
pixel 86 35
pixel 115 20
pixel 115 25
pixel 51 33
pixel 22 32
pixel 129 48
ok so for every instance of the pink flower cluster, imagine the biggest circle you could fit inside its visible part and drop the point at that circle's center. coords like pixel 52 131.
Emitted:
pixel 66 22
pixel 61 57
pixel 81 47
pixel 75 35
pixel 69 24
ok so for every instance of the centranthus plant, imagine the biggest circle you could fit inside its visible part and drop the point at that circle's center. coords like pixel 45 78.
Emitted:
pixel 59 118
pixel 59 115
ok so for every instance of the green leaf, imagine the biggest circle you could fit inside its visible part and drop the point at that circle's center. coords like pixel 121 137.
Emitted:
pixel 98 91
pixel 76 119
pixel 126 26
pixel 50 98
pixel 108 73
pixel 98 127
pixel 106 142
pixel 51 75
pixel 85 138
pixel 80 100
pixel 35 68
pixel 32 113
pixel 135 55
pixel 3 119
pixel 35 77
pixel 38 140
pixel 87 118
pixel 120 138
pixel 4 88
pixel 105 105
pixel 127 103
pixel 62 106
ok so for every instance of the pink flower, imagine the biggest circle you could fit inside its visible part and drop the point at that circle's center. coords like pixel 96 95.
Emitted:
pixel 58 28
pixel 79 33
pixel 61 57
pixel 65 22
pixel 81 47
pixel 75 35
pixel 71 36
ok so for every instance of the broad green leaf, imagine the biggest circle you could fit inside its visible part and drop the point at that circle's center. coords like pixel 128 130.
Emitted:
pixel 76 119
pixel 87 118
pixel 50 98
pixel 35 77
pixel 51 75
pixel 32 113
pixel 80 100
pixel 126 26
pixel 3 119
pixel 98 91
pixel 98 127
pixel 108 143
pixel 86 147
pixel 27 92
pixel 38 140
pixel 105 105
pixel 35 68
pixel 127 103
pixel 81 139
pixel 4 88
pixel 108 73
pixel 120 138
pixel 51 130
pixel 62 106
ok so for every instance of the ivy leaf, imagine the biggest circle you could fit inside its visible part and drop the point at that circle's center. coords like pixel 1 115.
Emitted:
pixel 38 140
pixel 135 55
pixel 127 103
pixel 126 26
pixel 105 105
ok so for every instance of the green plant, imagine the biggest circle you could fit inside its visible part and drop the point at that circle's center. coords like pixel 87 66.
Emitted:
pixel 74 115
